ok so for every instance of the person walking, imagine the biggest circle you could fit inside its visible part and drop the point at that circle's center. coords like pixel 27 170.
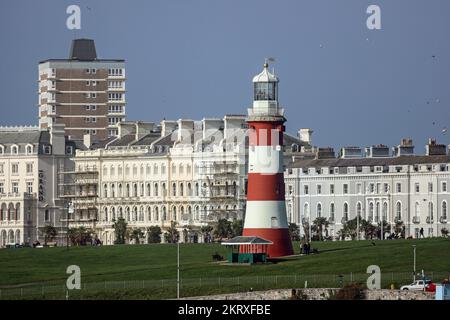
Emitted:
pixel 421 233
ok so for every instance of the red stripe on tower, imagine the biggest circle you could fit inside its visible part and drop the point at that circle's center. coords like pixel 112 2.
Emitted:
pixel 265 215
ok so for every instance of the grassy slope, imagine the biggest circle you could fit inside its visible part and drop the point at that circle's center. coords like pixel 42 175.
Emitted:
pixel 149 262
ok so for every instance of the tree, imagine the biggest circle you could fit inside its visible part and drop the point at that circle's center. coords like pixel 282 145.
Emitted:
pixel 320 224
pixel 222 229
pixel 444 232
pixel 172 235
pixel 294 231
pixel 206 232
pixel 236 228
pixel 136 235
pixel 305 225
pixel 370 231
pixel 154 234
pixel 49 232
pixel 386 228
pixel 80 236
pixel 120 230
pixel 349 229
pixel 399 228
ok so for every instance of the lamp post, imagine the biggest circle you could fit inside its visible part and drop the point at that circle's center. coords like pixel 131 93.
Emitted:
pixel 414 266
pixel 70 210
pixel 178 269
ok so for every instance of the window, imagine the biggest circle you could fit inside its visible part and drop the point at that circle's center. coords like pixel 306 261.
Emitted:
pixel 417 187
pixel 47 215
pixel 372 188
pixel 2 188
pixel 398 215
pixel 305 189
pixel 430 187
pixel 332 188
pixel 345 212
pixel 345 188
pixel 29 149
pixel 88 71
pixel 15 168
pixel 94 83
pixel 94 71
pixel 115 72
pixel 358 208
pixel 29 168
pixel 359 188
pixel 386 188
pixel 14 150
pixel 30 187
pixel 319 189
pixel 115 97
pixel 93 95
pixel 2 170
pixel 15 187
pixel 332 211
pixel 319 210
pixel 444 210
pixel 399 187
pixel 88 83
pixel 444 187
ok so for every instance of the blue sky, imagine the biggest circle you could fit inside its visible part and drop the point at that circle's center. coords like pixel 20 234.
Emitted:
pixel 196 58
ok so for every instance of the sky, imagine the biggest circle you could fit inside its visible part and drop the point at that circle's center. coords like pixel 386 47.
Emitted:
pixel 196 58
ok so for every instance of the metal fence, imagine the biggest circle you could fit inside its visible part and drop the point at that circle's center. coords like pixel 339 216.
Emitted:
pixel 166 288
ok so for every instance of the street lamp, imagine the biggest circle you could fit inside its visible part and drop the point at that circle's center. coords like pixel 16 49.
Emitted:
pixel 178 269
pixel 70 210
pixel 414 267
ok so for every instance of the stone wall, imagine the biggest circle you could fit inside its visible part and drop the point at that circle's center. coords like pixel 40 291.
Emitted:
pixel 319 294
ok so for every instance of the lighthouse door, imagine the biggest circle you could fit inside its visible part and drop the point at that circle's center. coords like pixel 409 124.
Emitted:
pixel 275 223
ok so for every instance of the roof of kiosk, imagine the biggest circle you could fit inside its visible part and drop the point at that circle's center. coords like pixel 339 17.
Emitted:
pixel 242 240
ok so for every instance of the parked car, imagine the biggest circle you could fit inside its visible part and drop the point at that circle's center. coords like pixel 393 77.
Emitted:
pixel 418 285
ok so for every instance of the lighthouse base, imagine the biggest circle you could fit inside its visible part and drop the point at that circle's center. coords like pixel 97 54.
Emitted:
pixel 282 245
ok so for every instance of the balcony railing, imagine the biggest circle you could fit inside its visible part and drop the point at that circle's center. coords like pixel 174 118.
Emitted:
pixel 430 220
pixel 416 220
pixel 443 220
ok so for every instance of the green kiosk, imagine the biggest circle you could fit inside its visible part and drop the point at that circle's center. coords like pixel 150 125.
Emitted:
pixel 247 249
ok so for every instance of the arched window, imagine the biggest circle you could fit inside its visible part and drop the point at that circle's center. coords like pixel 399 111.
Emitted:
pixel 14 150
pixel 141 214
pixel 128 190
pixel 113 214
pixel 142 189
pixel 444 210
pixel 105 190
pixel 345 212
pixel 430 211
pixel 398 215
pixel 149 193
pixel 164 213
pixel 197 213
pixel 156 210
pixel 174 189
pixel 155 190
pixel 106 215
pixel 358 209
pixel 120 212
pixel 417 210
pixel 189 190
pixel 305 210
pixel 113 190
pixel 377 212
pixel 370 212
pixel 127 210
pixel 174 214
pixel 319 210
pixel 196 189
pixel 29 149
pixel 135 214
pixel 181 189
pixel 332 211
pixel 135 189
pixel 385 211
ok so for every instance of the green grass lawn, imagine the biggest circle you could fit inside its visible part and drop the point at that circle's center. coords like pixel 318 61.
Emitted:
pixel 156 262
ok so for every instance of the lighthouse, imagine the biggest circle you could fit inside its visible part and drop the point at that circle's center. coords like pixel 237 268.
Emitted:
pixel 265 215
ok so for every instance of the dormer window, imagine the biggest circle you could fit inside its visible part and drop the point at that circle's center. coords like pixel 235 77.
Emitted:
pixel 14 150
pixel 47 149
pixel 29 149
pixel 2 149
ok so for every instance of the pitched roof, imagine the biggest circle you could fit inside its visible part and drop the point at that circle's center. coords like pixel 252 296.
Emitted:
pixel 246 240
pixel 356 162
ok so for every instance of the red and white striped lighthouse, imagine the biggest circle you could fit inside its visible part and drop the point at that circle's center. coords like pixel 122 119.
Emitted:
pixel 265 215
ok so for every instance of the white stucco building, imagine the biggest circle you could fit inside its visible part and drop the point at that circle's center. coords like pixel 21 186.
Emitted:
pixel 30 160
pixel 400 186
